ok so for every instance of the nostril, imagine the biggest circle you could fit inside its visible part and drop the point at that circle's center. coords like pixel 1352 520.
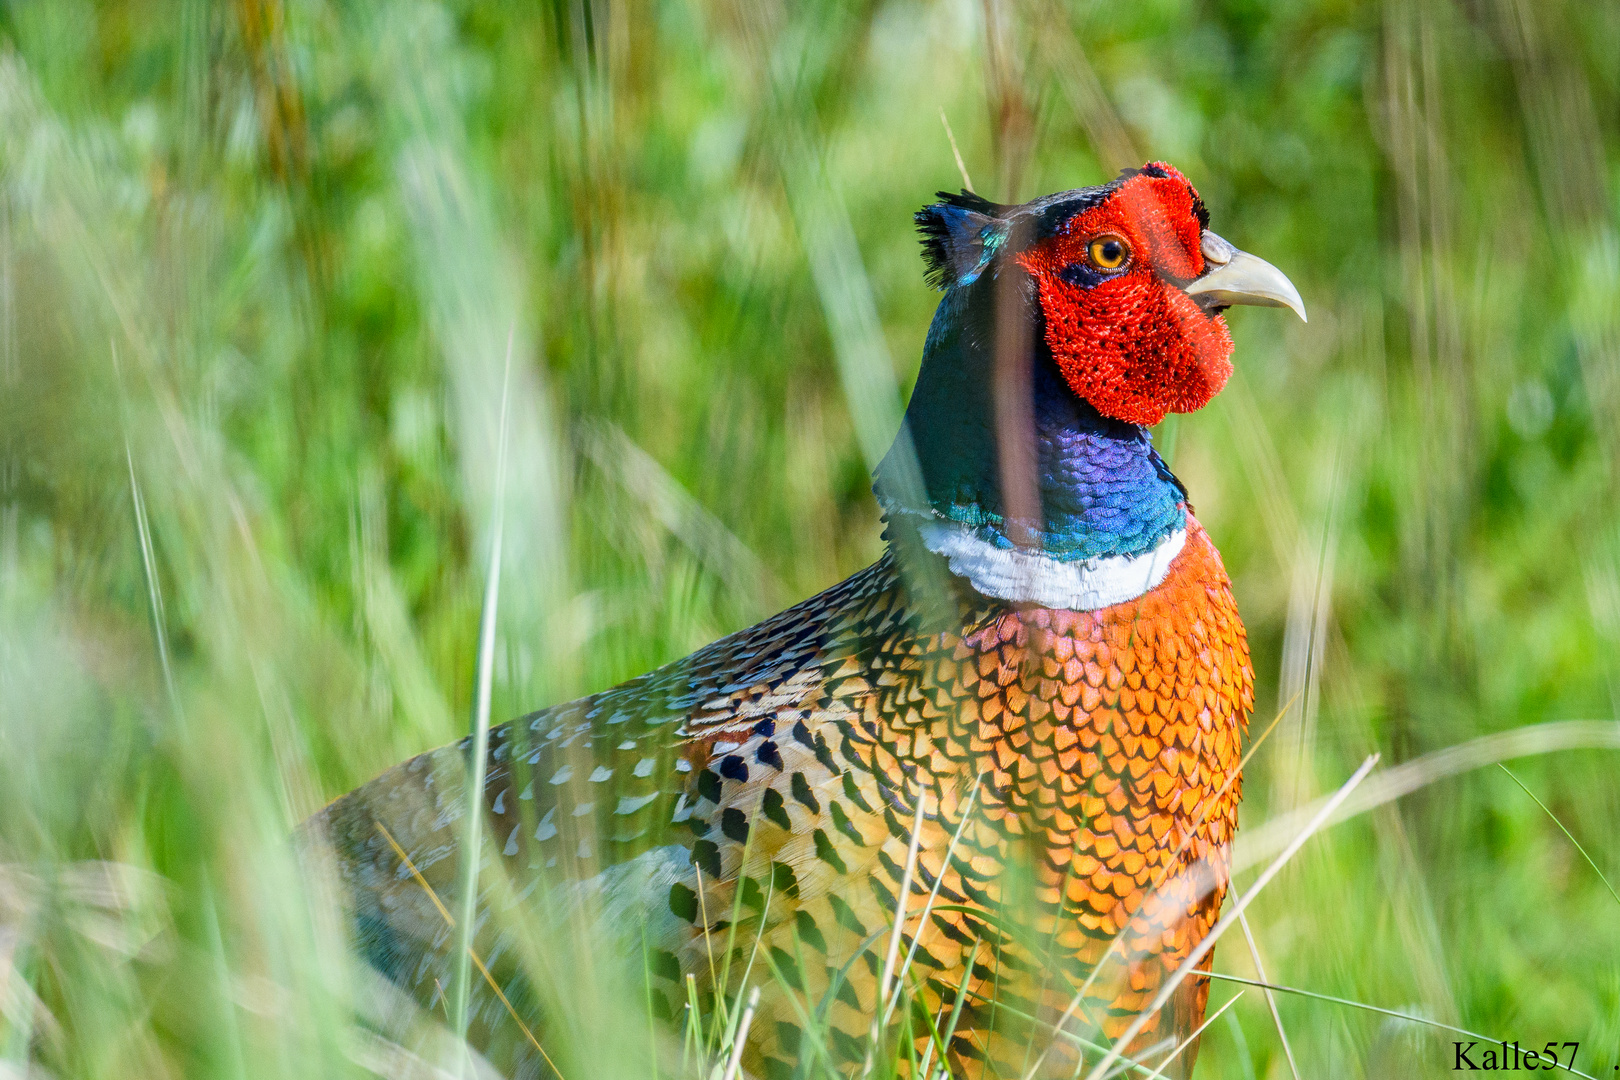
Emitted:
pixel 1215 249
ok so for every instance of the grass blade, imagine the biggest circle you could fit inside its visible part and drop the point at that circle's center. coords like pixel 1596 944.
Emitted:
pixel 1202 948
pixel 1261 842
pixel 1203 812
pixel 886 985
pixel 154 591
pixel 472 839
pixel 1347 1002
pixel 1566 832
pixel 1188 1041
pixel 933 894
pixel 472 954
pixel 1271 1002
pixel 741 1039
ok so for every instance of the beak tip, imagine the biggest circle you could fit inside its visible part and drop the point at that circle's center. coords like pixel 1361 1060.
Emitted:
pixel 1292 300
pixel 1248 279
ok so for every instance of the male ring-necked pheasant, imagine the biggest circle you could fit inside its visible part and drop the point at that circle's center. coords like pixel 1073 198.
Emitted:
pixel 1049 647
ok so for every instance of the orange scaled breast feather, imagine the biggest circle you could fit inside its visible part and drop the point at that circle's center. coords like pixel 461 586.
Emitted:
pixel 1108 743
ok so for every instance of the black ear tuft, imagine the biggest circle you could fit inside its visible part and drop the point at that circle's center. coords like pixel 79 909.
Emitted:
pixel 958 234
pixel 1200 211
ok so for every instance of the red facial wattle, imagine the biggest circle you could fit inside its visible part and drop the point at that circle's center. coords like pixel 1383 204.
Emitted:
pixel 1130 341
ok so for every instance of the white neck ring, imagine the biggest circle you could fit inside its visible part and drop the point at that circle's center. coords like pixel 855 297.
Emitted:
pixel 1030 578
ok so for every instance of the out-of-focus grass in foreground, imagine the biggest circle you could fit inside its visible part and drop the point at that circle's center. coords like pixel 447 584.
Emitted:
pixel 259 263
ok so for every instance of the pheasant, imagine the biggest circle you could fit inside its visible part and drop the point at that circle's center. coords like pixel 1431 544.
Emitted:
pixel 1027 715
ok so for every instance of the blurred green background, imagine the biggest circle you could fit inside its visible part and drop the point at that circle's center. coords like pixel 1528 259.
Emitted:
pixel 261 264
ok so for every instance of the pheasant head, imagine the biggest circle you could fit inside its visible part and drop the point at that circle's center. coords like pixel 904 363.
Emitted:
pixel 1129 284
pixel 1111 300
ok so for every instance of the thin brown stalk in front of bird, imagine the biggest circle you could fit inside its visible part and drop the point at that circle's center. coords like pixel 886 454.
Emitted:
pixel 967 181
pixel 1013 391
pixel 471 952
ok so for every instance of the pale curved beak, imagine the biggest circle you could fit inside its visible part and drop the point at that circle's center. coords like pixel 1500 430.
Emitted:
pixel 1236 277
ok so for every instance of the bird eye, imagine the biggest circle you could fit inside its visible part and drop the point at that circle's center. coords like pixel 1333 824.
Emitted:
pixel 1108 252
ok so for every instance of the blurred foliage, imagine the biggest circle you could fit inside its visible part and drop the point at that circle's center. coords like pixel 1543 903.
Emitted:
pixel 261 264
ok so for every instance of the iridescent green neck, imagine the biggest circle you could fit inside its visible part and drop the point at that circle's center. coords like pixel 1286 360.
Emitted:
pixel 1103 489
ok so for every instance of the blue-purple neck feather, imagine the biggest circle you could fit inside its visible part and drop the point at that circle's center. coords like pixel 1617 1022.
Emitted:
pixel 1104 490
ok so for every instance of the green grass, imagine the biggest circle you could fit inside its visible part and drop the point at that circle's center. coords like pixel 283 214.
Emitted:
pixel 260 263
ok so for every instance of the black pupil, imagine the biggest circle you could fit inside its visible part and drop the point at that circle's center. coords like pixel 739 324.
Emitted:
pixel 1111 251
